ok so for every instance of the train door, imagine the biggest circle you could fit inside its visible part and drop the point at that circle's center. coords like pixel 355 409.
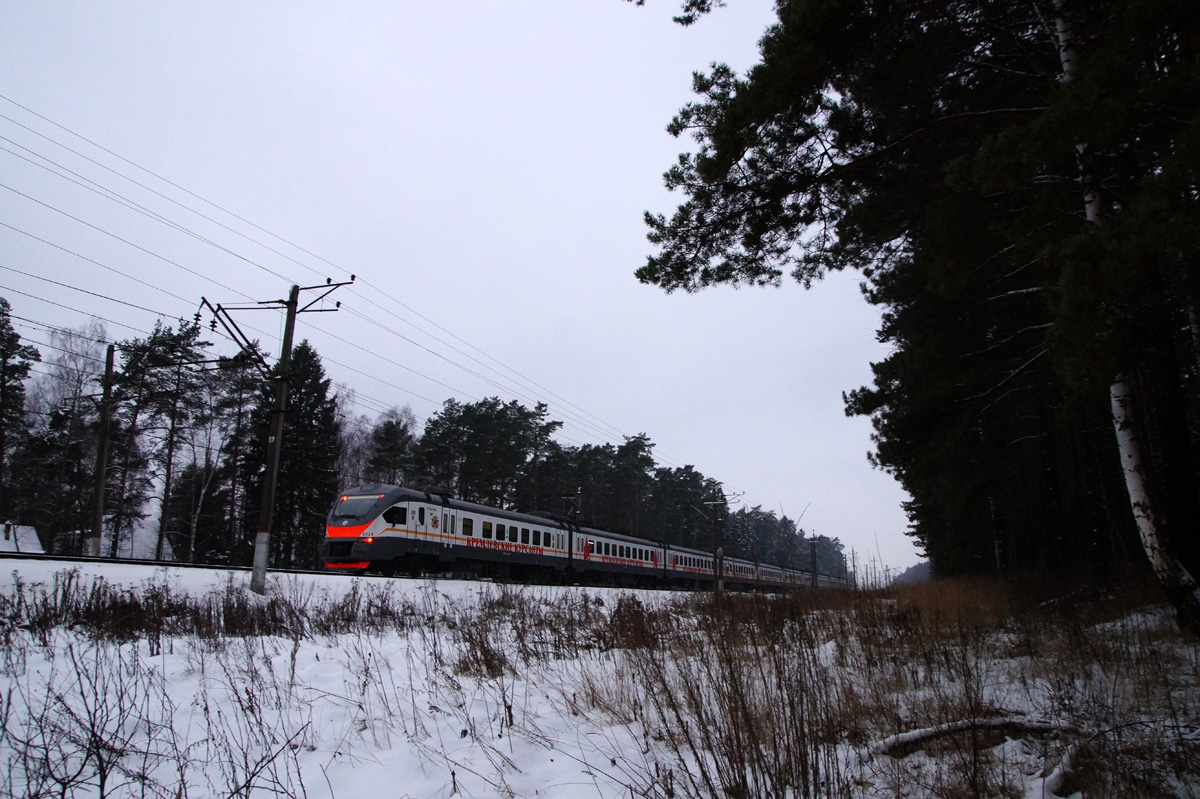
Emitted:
pixel 421 522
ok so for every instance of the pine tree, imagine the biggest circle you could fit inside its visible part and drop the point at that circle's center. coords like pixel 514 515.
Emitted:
pixel 308 478
pixel 53 472
pixel 15 361
pixel 393 448
pixel 1017 184
pixel 482 449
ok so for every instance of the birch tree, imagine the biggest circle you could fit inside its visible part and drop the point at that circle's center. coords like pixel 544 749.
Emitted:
pixel 1016 183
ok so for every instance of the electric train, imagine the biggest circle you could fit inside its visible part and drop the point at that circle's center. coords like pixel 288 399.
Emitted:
pixel 389 529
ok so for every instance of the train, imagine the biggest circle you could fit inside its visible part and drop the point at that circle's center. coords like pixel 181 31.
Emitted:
pixel 392 529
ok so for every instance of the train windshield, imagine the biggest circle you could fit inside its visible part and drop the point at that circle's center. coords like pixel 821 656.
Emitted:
pixel 350 506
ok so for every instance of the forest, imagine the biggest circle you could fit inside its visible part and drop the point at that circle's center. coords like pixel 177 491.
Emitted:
pixel 1016 183
pixel 187 443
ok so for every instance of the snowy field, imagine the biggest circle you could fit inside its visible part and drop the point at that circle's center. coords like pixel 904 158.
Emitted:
pixel 122 680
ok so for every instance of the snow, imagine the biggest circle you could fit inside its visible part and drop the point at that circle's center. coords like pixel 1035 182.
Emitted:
pixel 452 688
pixel 19 538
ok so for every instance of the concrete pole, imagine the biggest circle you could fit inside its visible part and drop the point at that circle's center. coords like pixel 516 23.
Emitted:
pixel 262 542
pixel 102 456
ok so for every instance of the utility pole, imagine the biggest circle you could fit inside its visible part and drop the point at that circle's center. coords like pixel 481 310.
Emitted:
pixel 719 506
pixel 812 555
pixel 266 510
pixel 102 455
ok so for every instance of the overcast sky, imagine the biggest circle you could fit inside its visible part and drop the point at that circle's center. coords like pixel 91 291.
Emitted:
pixel 483 168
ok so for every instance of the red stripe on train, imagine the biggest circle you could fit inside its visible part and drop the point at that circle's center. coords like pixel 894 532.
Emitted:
pixel 346 532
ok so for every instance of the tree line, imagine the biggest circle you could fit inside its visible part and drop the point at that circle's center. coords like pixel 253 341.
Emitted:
pixel 1017 184
pixel 187 444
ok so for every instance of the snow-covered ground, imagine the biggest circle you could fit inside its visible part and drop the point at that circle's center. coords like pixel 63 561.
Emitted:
pixel 402 688
pixel 18 538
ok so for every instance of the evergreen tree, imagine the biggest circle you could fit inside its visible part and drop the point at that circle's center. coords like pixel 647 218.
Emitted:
pixel 15 360
pixel 241 456
pixel 676 506
pixel 1017 183
pixel 160 396
pixel 481 450
pixel 52 479
pixel 308 479
pixel 393 448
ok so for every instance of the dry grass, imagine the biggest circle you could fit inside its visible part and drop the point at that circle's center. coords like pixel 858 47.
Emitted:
pixel 967 688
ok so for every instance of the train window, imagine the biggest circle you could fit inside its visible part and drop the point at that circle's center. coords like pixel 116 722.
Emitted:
pixel 537 538
pixel 396 515
pixel 487 529
pixel 451 524
pixel 499 532
pixel 524 535
pixel 421 516
pixel 468 526
pixel 512 534
pixel 591 547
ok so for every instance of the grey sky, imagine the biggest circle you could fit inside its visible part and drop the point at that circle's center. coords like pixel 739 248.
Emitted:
pixel 484 164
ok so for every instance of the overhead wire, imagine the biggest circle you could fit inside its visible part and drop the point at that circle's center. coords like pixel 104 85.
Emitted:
pixel 598 427
pixel 129 204
pixel 68 308
pixel 98 229
pixel 112 269
pixel 278 238
pixel 125 202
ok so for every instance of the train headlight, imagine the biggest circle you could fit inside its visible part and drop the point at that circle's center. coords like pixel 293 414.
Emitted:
pixel 368 539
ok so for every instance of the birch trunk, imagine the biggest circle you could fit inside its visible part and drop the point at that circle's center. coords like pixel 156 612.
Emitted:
pixel 1177 582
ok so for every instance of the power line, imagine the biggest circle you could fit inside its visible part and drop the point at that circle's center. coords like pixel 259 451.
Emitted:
pixel 131 205
pixel 299 263
pixel 112 269
pixel 69 308
pixel 99 229
pixel 596 427
pixel 83 291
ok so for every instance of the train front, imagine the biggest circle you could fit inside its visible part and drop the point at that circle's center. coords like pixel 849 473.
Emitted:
pixel 352 526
